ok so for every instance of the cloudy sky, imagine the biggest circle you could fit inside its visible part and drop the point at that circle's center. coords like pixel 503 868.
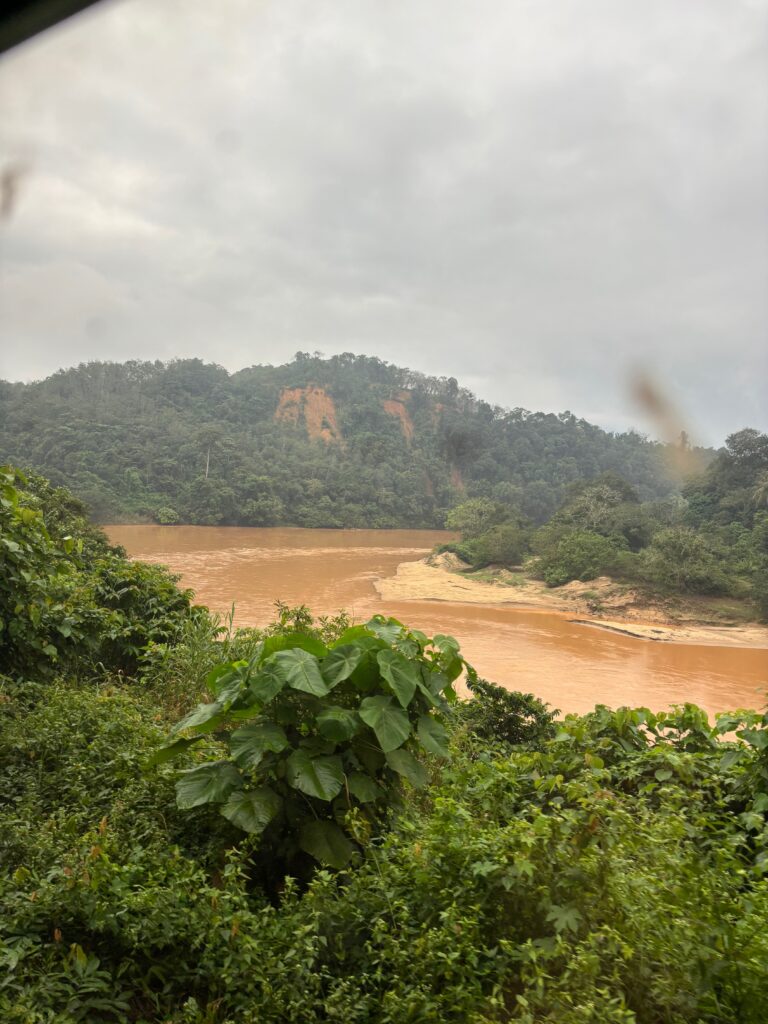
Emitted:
pixel 538 197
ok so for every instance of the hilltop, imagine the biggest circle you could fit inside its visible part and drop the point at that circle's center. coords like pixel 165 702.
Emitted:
pixel 348 441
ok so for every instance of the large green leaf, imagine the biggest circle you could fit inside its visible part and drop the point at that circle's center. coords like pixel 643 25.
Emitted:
pixel 267 684
pixel 208 784
pixel 338 724
pixel 340 663
pixel 352 635
pixel 436 702
pixel 171 750
pixel 232 690
pixel 389 722
pixel 321 777
pixel 252 809
pixel 222 674
pixel 432 736
pixel 407 646
pixel 436 681
pixel 294 641
pixel 450 659
pixel 405 764
pixel 318 746
pixel 367 675
pixel 325 841
pixel 249 744
pixel 446 644
pixel 369 755
pixel 401 674
pixel 301 671
pixel 363 787
pixel 204 718
pixel 388 630
pixel 452 666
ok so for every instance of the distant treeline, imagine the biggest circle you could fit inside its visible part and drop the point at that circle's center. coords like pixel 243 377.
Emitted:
pixel 349 441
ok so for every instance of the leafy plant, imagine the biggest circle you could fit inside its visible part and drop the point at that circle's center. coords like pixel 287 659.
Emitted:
pixel 318 738
pixel 34 620
pixel 67 605
pixel 507 715
pixel 578 555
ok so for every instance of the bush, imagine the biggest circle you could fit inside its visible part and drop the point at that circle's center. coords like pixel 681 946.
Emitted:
pixel 62 607
pixel 502 545
pixel 166 516
pixel 475 516
pixel 577 555
pixel 507 715
pixel 612 877
pixel 680 559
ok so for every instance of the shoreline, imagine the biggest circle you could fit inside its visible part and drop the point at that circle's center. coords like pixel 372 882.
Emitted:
pixel 436 579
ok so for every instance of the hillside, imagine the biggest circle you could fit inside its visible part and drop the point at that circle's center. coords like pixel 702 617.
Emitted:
pixel 348 441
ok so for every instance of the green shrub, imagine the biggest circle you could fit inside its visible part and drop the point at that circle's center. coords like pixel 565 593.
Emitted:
pixel 502 545
pixel 615 875
pixel 474 516
pixel 166 516
pixel 65 607
pixel 680 559
pixel 577 555
pixel 317 737
pixel 35 573
pixel 507 715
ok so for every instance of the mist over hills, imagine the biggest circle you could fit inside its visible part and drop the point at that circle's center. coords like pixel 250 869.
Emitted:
pixel 348 441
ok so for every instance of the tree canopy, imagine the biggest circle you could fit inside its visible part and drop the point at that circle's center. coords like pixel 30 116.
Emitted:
pixel 349 441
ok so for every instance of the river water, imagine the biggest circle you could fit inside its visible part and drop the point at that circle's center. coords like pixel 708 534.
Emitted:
pixel 572 666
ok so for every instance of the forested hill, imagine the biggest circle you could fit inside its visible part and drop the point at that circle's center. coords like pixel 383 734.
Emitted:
pixel 347 441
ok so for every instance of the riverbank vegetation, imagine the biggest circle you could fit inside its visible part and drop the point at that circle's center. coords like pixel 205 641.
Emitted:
pixel 349 441
pixel 710 540
pixel 338 838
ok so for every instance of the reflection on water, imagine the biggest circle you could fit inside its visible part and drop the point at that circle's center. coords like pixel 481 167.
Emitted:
pixel 571 666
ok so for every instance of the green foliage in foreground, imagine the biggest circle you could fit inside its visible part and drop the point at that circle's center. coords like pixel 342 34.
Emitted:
pixel 615 875
pixel 316 738
pixel 69 601
pixel 610 868
pixel 506 715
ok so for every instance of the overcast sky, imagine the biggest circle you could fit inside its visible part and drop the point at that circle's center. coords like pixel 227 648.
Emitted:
pixel 534 196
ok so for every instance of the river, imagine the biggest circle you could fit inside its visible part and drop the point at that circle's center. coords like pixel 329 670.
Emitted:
pixel 571 666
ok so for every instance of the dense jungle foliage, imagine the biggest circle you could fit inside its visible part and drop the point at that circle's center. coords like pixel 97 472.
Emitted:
pixel 349 441
pixel 507 865
pixel 711 539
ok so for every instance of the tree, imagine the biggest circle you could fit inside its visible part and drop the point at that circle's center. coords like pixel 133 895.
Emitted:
pixel 749 448
pixel 505 544
pixel 577 555
pixel 474 517
pixel 680 559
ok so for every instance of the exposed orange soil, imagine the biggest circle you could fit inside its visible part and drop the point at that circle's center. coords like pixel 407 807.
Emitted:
pixel 396 407
pixel 317 408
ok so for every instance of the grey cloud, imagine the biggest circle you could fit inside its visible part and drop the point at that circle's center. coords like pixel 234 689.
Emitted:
pixel 534 198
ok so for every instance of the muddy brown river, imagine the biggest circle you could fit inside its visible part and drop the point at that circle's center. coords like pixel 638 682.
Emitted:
pixel 572 666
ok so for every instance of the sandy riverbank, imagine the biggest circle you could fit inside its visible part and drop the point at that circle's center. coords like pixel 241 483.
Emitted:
pixel 620 608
